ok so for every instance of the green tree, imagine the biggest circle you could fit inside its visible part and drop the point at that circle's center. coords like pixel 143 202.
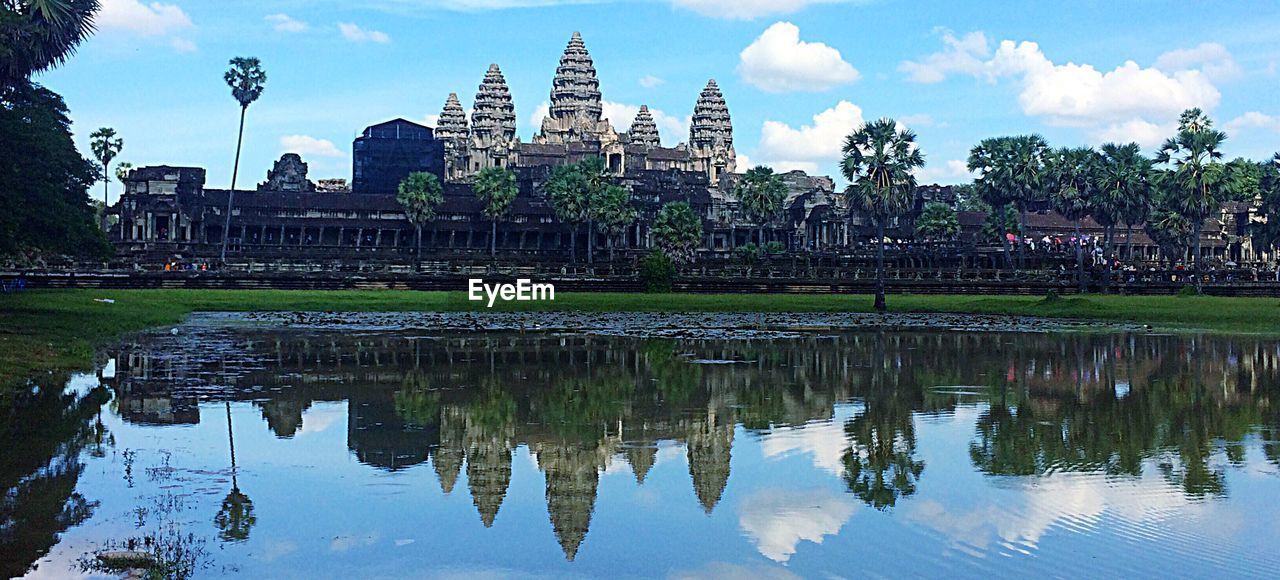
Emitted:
pixel 1011 171
pixel 1123 176
pixel 938 221
pixel 1196 182
pixel 496 189
pixel 106 146
pixel 1171 231
pixel 761 193
pixel 122 171
pixel 879 161
pixel 678 231
pixel 596 176
pixel 44 181
pixel 247 81
pixel 1242 180
pixel 614 213
pixel 37 35
pixel 419 194
pixel 1266 235
pixel 568 190
pixel 1072 174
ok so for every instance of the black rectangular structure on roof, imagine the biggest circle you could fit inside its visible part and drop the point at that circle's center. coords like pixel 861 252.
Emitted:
pixel 388 152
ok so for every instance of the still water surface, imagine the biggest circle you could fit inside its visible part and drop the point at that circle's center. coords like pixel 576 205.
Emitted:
pixel 391 453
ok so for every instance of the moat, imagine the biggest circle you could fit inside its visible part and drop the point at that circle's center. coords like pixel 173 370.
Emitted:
pixel 381 449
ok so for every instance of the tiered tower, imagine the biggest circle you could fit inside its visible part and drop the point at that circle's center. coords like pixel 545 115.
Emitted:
pixel 711 135
pixel 452 129
pixel 644 131
pixel 493 123
pixel 575 100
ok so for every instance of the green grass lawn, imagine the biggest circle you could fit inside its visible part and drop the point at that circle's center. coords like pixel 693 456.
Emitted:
pixel 57 330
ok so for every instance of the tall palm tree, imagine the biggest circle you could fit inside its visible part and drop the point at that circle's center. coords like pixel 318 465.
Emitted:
pixel 614 212
pixel 878 163
pixel 247 81
pixel 1072 175
pixel 1012 170
pixel 567 189
pixel 761 193
pixel 37 35
pixel 496 189
pixel 1123 176
pixel 419 194
pixel 106 145
pixel 597 176
pixel 1196 183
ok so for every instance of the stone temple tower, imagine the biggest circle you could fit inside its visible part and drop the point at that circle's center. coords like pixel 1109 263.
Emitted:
pixel 575 113
pixel 493 123
pixel 643 130
pixel 452 130
pixel 711 135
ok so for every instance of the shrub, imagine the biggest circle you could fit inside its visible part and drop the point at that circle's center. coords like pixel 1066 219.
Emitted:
pixel 775 248
pixel 746 253
pixel 1188 290
pixel 657 271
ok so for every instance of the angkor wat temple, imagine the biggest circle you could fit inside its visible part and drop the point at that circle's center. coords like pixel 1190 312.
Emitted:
pixel 168 212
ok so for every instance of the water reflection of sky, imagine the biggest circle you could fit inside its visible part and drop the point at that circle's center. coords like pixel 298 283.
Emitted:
pixel 785 510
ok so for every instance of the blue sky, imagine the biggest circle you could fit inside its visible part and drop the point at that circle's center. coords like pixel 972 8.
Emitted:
pixel 797 74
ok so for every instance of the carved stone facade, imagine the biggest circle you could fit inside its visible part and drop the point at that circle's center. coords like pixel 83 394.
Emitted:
pixel 493 123
pixel 711 134
pixel 452 130
pixel 644 131
pixel 289 174
pixel 575 111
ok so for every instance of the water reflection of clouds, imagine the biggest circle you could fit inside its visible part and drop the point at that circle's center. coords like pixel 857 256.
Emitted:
pixel 320 418
pixel 716 570
pixel 824 441
pixel 777 520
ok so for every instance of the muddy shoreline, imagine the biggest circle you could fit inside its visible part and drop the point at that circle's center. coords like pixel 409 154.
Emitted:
pixel 720 325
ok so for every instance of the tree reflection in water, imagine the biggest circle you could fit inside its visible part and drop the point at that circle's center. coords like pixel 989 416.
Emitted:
pixel 1114 404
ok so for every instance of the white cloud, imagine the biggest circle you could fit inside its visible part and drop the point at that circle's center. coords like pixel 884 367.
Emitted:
pixel 354 33
pixel 285 23
pixel 949 172
pixel 1148 135
pixel 540 112
pixel 650 81
pixel 961 55
pixel 307 145
pixel 778 61
pixel 747 9
pixel 1253 120
pixel 156 19
pixel 920 120
pixel 1210 58
pixel 182 44
pixel 778 520
pixel 825 443
pixel 431 121
pixel 805 148
pixel 1128 100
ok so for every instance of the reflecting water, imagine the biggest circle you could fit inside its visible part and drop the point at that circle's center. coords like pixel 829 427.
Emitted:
pixel 231 450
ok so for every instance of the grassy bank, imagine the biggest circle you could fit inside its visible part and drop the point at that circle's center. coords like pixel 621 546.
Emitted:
pixel 58 329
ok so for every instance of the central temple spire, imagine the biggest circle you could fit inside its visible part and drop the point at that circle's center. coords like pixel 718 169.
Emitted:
pixel 575 111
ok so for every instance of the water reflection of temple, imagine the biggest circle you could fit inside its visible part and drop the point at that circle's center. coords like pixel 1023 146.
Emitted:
pixel 580 403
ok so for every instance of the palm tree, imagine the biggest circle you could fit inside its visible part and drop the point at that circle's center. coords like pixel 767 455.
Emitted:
pixel 1123 175
pixel 567 189
pixel 1196 183
pixel 879 161
pixel 235 518
pixel 1072 175
pixel 1012 170
pixel 761 193
pixel 614 212
pixel 106 145
pixel 247 81
pixel 597 179
pixel 38 35
pixel 419 194
pixel 122 171
pixel 678 230
pixel 496 189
